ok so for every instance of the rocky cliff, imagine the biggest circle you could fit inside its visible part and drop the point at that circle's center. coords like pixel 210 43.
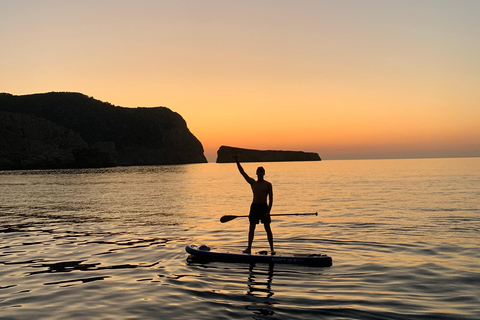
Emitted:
pixel 29 142
pixel 225 154
pixel 90 133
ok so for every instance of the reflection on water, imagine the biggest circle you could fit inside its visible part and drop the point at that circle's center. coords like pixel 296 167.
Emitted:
pixel 256 282
pixel 109 243
pixel 260 287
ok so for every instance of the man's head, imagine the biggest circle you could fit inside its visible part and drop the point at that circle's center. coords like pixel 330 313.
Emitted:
pixel 260 171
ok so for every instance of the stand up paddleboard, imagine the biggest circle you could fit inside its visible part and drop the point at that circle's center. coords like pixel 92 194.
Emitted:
pixel 204 253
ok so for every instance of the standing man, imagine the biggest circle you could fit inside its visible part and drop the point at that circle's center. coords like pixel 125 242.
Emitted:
pixel 259 210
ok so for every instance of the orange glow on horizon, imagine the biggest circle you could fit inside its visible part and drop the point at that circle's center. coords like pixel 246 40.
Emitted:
pixel 346 80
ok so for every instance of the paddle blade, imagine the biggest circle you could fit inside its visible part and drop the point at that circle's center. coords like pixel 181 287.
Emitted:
pixel 227 218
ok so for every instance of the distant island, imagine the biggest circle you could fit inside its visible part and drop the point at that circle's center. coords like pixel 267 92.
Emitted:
pixel 72 130
pixel 225 155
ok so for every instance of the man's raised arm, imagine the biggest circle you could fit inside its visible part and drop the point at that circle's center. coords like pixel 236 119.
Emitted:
pixel 244 174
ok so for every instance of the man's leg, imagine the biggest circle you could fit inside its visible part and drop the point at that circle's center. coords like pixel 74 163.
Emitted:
pixel 251 234
pixel 268 230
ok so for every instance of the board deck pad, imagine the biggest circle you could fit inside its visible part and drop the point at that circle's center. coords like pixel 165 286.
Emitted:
pixel 207 254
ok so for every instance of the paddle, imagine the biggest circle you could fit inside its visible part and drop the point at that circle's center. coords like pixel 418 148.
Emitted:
pixel 231 217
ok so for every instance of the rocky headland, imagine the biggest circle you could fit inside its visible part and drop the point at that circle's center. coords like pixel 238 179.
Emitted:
pixel 226 154
pixel 71 130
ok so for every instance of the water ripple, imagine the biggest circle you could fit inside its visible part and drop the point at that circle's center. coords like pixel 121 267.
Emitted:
pixel 109 244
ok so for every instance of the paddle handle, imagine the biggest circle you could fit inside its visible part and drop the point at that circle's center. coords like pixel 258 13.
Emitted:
pixel 296 214
pixel 231 217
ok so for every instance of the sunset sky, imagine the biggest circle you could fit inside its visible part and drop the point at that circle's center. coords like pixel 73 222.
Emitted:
pixel 347 79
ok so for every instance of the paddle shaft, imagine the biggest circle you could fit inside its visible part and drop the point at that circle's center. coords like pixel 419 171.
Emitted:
pixel 231 217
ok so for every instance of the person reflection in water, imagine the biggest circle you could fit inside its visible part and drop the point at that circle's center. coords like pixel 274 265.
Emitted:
pixel 259 209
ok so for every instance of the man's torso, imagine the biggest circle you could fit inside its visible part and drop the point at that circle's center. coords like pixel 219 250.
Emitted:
pixel 260 191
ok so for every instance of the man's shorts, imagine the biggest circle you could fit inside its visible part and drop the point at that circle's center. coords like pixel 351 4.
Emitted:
pixel 258 212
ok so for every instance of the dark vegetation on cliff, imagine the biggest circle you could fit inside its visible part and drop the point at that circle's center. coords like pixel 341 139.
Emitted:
pixel 111 135
pixel 226 154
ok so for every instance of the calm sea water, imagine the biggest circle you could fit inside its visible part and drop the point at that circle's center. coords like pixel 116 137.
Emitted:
pixel 404 236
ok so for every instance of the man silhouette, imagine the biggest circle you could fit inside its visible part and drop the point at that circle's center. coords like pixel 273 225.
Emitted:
pixel 259 209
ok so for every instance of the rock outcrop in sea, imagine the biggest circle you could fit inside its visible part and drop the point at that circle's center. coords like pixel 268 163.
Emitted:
pixel 226 154
pixel 71 130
